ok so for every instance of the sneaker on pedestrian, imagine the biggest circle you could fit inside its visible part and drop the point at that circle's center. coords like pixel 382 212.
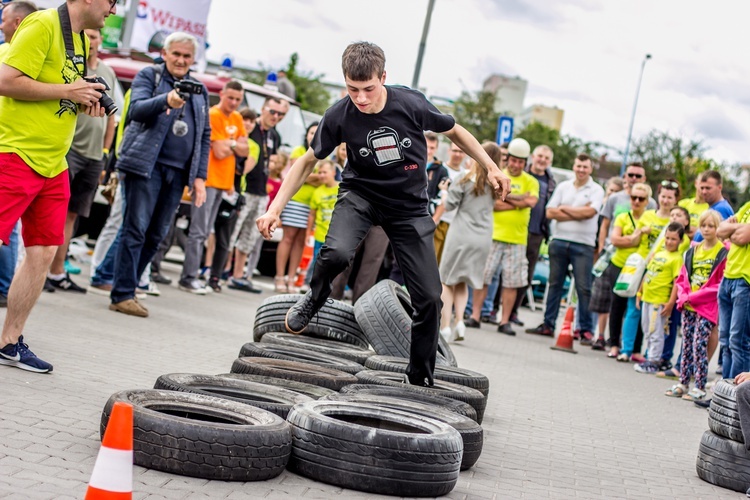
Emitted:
pixel 472 323
pixel 459 331
pixel 514 319
pixel 48 287
pixel 70 268
pixel 130 307
pixel 214 284
pixel 103 289
pixel 150 289
pixel 542 330
pixel 301 313
pixel 702 403
pixel 3 300
pixel 193 286
pixel 646 367
pixel 587 338
pixel 66 284
pixel 665 365
pixel 160 279
pixel 506 329
pixel 599 344
pixel 243 284
pixel 20 356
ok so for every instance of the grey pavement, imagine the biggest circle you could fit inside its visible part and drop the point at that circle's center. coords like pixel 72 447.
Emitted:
pixel 557 425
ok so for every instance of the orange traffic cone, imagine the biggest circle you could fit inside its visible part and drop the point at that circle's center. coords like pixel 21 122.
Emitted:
pixel 565 339
pixel 112 478
pixel 307 254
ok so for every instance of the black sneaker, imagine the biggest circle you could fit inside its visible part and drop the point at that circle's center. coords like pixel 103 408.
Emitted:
pixel 214 285
pixel 506 329
pixel 665 365
pixel 598 345
pixel 301 313
pixel 587 338
pixel 514 319
pixel 243 284
pixel 472 323
pixel 160 279
pixel 702 403
pixel 66 284
pixel 3 300
pixel 542 330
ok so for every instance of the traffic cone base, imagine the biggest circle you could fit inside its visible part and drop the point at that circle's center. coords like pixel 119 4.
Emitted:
pixel 112 478
pixel 565 339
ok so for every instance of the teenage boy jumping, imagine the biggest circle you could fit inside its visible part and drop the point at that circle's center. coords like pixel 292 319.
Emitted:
pixel 384 184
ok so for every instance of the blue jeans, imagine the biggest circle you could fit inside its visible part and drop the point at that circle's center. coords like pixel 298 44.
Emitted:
pixel 8 259
pixel 150 204
pixel 630 327
pixel 674 324
pixel 105 272
pixel 489 302
pixel 734 326
pixel 581 257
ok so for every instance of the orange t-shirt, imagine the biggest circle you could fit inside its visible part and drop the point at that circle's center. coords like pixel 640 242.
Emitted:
pixel 221 172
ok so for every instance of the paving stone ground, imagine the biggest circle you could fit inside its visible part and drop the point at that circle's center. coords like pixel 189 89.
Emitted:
pixel 557 425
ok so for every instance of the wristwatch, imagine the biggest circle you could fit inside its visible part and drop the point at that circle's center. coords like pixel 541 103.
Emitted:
pixel 233 144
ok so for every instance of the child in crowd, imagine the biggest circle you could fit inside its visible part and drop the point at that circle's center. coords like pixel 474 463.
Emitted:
pixel 658 294
pixel 321 207
pixel 276 165
pixel 697 291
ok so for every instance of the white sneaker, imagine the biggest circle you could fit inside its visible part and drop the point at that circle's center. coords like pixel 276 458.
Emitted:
pixel 446 333
pixel 151 289
pixel 458 331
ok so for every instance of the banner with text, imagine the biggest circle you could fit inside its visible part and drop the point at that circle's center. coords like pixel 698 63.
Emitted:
pixel 156 19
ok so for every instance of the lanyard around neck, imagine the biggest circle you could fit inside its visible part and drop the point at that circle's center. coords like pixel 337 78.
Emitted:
pixel 67 32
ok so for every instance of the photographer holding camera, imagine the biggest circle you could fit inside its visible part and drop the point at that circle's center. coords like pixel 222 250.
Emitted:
pixel 42 91
pixel 164 149
pixel 86 161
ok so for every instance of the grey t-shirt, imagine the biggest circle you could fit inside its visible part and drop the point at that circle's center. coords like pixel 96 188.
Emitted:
pixel 88 140
pixel 619 203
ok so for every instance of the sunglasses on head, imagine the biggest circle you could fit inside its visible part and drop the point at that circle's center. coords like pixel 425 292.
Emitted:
pixel 634 175
pixel 638 198
pixel 670 184
pixel 273 112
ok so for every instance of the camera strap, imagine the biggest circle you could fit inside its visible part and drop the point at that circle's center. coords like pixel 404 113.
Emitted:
pixel 67 32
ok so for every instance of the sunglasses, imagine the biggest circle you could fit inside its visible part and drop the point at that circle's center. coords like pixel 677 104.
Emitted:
pixel 670 184
pixel 635 176
pixel 273 112
pixel 638 198
pixel 112 3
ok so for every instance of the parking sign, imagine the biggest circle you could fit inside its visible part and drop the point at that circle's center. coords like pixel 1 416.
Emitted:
pixel 504 129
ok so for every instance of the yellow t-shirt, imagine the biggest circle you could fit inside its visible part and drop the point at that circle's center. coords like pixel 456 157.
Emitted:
pixel 738 259
pixel 297 152
pixel 223 127
pixel 703 261
pixel 305 193
pixel 684 245
pixel 512 226
pixel 660 275
pixel 323 201
pixel 4 48
pixel 40 132
pixel 694 209
pixel 657 224
pixel 621 254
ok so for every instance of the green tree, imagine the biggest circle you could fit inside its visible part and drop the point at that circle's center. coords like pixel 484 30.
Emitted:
pixel 312 94
pixel 665 155
pixel 476 113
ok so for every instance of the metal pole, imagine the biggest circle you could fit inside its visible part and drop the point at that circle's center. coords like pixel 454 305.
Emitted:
pixel 632 117
pixel 422 43
pixel 127 33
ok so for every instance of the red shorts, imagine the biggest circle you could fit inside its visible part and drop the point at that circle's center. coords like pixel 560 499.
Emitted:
pixel 40 202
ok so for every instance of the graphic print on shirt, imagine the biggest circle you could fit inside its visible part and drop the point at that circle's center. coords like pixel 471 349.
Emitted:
pixel 70 73
pixel 384 143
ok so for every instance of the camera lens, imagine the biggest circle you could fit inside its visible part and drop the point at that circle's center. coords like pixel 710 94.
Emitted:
pixel 108 104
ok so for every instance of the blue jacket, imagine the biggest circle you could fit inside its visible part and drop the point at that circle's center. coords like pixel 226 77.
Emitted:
pixel 149 124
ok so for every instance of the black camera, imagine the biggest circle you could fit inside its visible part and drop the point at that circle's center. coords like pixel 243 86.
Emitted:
pixel 185 88
pixel 105 101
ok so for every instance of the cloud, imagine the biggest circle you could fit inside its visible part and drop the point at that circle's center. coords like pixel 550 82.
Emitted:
pixel 539 12
pixel 715 124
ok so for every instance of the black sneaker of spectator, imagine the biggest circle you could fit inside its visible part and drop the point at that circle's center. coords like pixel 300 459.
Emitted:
pixel 506 329
pixel 598 345
pixel 66 284
pixel 514 319
pixel 541 330
pixel 160 279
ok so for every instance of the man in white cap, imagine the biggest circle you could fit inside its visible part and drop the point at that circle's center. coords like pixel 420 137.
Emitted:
pixel 509 237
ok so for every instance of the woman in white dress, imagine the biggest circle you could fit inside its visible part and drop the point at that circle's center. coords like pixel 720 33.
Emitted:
pixel 467 242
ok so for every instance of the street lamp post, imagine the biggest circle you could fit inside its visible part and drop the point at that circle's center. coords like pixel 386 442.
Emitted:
pixel 632 117
pixel 422 43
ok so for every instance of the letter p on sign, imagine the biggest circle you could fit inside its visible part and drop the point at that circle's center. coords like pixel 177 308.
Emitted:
pixel 504 129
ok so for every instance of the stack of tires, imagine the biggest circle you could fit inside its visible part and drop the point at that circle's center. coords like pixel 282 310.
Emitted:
pixel 330 405
pixel 723 459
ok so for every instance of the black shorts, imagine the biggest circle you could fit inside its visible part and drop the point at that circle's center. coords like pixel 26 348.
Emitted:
pixel 84 179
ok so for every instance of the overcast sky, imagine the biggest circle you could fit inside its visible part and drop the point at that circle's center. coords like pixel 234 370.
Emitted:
pixel 583 56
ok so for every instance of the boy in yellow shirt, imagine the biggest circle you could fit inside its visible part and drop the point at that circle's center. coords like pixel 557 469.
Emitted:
pixel 321 206
pixel 657 296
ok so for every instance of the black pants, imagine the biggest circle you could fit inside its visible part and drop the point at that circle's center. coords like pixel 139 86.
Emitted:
pixel 223 227
pixel 412 241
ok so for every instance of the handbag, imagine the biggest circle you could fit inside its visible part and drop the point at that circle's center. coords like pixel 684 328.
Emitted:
pixel 110 188
pixel 629 279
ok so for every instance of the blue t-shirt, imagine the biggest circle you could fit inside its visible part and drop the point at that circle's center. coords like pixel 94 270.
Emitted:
pixel 176 151
pixel 724 209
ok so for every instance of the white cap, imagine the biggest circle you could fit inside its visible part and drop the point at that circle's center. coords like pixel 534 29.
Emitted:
pixel 519 148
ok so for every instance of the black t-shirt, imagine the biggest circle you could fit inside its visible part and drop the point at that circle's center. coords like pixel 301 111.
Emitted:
pixel 386 151
pixel 269 142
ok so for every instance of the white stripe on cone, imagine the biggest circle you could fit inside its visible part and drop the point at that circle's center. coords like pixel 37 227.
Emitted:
pixel 113 470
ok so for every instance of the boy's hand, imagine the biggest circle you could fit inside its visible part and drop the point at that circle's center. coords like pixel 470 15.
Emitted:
pixel 666 311
pixel 638 302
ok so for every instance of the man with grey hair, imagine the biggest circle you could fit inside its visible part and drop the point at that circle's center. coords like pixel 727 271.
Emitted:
pixel 169 108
